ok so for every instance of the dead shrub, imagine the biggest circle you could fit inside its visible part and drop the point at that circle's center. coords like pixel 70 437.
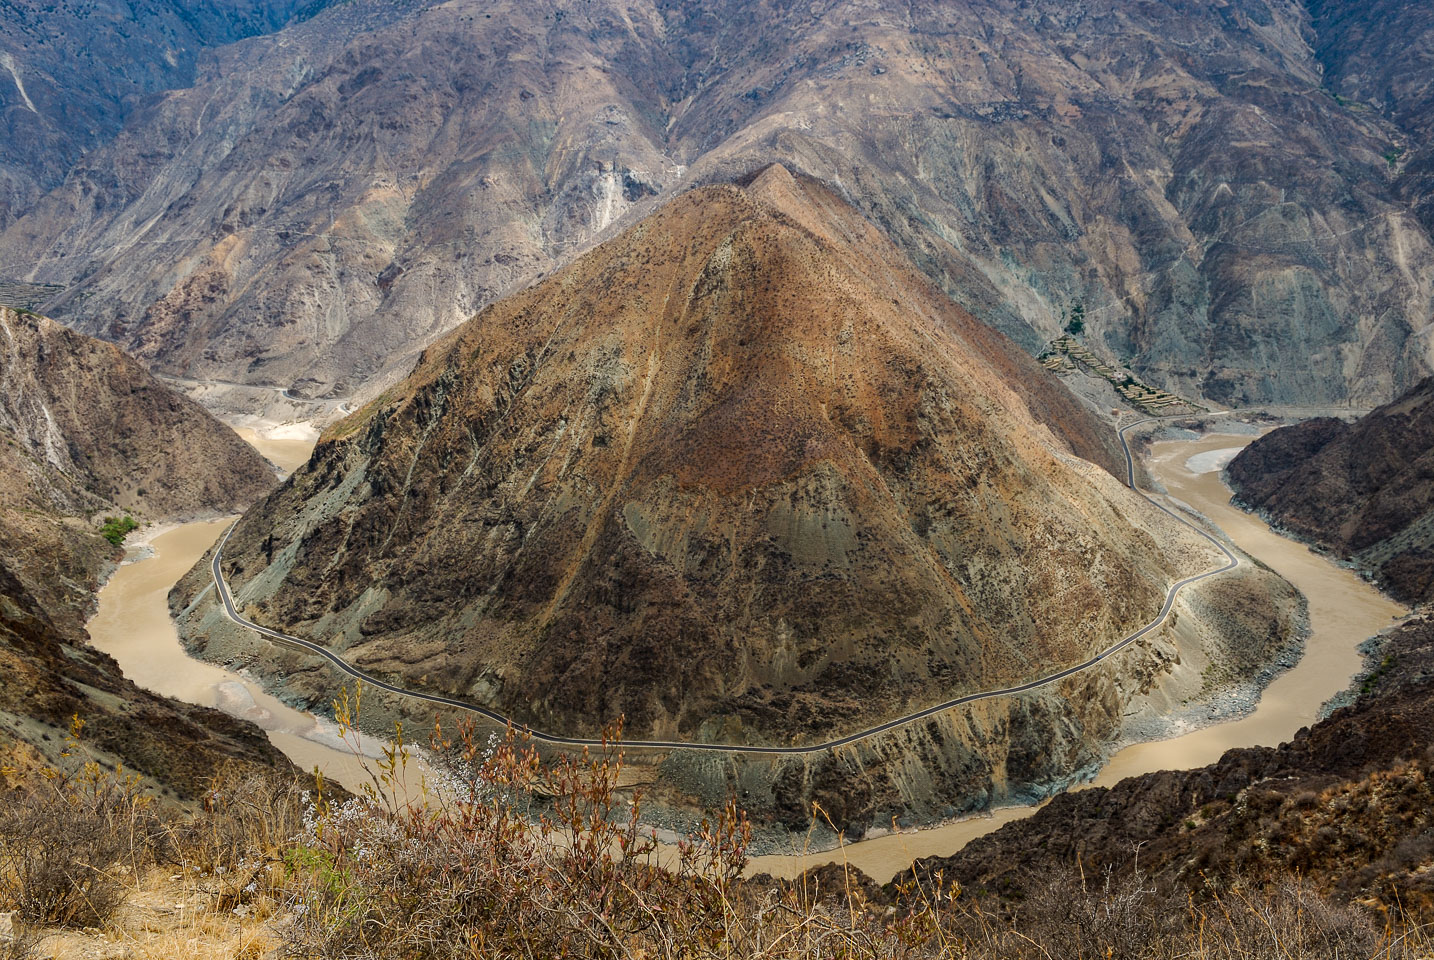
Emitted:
pixel 508 855
pixel 514 855
pixel 19 942
pixel 233 845
pixel 66 840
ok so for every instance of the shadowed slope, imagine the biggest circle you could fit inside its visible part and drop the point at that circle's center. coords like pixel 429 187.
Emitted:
pixel 85 431
pixel 1364 491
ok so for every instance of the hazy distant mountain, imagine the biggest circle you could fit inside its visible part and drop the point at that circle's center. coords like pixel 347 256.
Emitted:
pixel 326 198
pixel 72 72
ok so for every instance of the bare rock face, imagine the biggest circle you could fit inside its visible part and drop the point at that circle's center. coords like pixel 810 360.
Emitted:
pixel 99 426
pixel 325 200
pixel 1364 491
pixel 740 474
pixel 71 74
pixel 86 431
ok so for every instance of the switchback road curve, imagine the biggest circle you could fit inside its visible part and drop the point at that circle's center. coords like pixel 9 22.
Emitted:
pixel 1231 562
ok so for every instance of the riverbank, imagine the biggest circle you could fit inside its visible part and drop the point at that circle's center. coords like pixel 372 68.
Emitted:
pixel 132 624
pixel 1343 612
pixel 286 445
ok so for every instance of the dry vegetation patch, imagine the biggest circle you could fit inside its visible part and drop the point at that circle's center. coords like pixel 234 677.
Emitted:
pixel 511 854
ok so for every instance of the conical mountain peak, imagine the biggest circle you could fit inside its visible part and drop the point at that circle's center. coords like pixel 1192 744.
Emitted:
pixel 738 472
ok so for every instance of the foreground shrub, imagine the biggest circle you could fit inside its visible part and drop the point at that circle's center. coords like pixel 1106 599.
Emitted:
pixel 1132 917
pixel 507 854
pixel 68 838
pixel 515 856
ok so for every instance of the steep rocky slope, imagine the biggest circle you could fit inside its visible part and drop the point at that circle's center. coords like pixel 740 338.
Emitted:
pixel 1379 54
pixel 1347 804
pixel 92 415
pixel 1364 491
pixel 86 432
pixel 71 72
pixel 328 198
pixel 739 475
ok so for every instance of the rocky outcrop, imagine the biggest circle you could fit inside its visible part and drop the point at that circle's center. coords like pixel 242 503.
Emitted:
pixel 1364 491
pixel 85 432
pixel 325 200
pixel 97 425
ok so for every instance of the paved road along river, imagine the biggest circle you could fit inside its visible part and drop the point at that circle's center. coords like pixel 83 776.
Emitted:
pixel 1343 609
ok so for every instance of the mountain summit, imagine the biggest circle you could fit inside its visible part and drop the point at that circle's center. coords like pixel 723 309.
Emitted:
pixel 740 473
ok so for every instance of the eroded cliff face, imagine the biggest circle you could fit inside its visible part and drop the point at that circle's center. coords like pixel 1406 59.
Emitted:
pixel 1021 749
pixel 1364 491
pixel 1346 805
pixel 84 431
pixel 100 431
pixel 325 200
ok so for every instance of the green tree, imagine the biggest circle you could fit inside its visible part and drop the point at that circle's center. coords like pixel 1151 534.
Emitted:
pixel 115 529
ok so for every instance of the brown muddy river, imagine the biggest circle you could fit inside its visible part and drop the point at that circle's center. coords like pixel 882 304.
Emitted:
pixel 287 450
pixel 133 625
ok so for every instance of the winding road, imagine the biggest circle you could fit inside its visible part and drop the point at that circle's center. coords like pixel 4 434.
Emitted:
pixel 1231 562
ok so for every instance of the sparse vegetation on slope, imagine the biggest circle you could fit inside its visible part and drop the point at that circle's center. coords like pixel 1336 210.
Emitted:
pixel 740 475
pixel 87 433
pixel 115 529
pixel 1347 805
pixel 1122 154
pixel 511 855
pixel 1363 491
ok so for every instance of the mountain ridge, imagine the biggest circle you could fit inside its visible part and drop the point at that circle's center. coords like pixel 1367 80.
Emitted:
pixel 373 176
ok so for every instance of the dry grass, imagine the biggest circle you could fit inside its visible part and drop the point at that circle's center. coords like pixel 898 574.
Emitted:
pixel 68 837
pixel 513 856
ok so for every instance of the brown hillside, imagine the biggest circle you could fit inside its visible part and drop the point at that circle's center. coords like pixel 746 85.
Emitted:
pixel 90 413
pixel 1346 804
pixel 1364 491
pixel 740 473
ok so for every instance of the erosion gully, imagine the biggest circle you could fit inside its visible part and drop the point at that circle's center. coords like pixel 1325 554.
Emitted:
pixel 133 625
